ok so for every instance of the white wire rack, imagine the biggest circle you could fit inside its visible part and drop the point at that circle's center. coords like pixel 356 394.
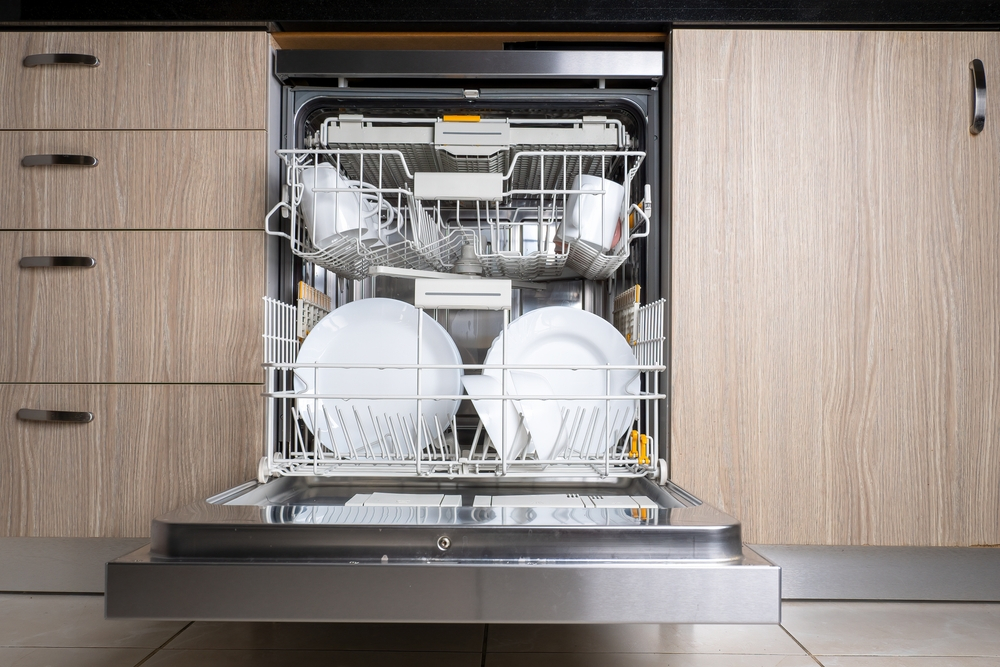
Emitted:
pixel 377 214
pixel 609 435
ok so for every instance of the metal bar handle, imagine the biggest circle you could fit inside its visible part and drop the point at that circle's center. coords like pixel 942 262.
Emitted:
pixel 82 59
pixel 53 159
pixel 50 261
pixel 978 96
pixel 58 416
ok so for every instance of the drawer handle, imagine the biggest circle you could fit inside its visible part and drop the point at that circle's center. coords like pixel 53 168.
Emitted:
pixel 49 261
pixel 61 59
pixel 60 416
pixel 978 96
pixel 50 160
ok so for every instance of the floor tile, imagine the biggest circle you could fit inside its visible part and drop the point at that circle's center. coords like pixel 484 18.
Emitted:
pixel 644 660
pixel 332 636
pixel 74 620
pixel 71 657
pixel 905 661
pixel 895 628
pixel 748 639
pixel 224 658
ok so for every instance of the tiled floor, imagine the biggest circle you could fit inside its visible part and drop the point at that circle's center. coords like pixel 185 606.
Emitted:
pixel 70 630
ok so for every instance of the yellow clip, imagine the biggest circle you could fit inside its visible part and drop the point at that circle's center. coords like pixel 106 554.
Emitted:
pixel 643 451
pixel 458 118
pixel 634 452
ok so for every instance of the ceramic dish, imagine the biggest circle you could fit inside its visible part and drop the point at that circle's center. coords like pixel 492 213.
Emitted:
pixel 375 331
pixel 562 336
pixel 594 218
pixel 330 215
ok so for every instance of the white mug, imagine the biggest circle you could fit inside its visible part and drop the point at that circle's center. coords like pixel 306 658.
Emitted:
pixel 594 218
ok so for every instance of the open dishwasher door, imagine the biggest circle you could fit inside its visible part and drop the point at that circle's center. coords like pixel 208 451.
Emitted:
pixel 485 189
pixel 298 548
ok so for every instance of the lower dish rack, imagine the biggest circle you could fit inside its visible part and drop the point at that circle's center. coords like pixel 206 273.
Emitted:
pixel 613 439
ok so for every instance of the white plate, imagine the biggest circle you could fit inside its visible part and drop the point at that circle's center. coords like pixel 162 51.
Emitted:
pixel 375 331
pixel 558 336
pixel 515 438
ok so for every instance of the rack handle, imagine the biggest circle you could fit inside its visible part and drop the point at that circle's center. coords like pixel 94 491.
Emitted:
pixel 52 261
pixel 53 159
pixel 81 59
pixel 978 96
pixel 57 416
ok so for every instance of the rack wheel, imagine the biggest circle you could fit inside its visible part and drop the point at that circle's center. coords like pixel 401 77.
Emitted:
pixel 663 471
pixel 263 470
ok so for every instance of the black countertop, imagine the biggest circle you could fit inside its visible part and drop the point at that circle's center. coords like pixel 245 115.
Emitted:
pixel 497 14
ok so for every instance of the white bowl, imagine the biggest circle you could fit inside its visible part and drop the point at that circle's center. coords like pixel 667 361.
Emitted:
pixel 594 218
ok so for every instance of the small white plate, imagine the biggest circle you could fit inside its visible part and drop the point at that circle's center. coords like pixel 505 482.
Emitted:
pixel 514 438
pixel 375 331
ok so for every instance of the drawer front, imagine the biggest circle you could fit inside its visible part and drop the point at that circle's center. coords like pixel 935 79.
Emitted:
pixel 148 449
pixel 145 80
pixel 154 307
pixel 142 180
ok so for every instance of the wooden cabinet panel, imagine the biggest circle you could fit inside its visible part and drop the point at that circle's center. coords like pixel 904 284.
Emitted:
pixel 143 180
pixel 145 80
pixel 149 449
pixel 836 285
pixel 156 307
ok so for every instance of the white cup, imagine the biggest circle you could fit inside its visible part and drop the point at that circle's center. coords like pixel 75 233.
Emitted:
pixel 594 218
pixel 328 215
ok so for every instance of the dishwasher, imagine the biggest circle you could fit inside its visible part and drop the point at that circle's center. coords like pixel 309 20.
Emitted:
pixel 465 356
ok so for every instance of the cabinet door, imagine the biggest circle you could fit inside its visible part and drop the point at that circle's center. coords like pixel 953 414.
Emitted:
pixel 143 180
pixel 148 450
pixel 144 80
pixel 836 285
pixel 155 307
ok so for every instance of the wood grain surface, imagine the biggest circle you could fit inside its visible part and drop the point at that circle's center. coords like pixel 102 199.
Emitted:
pixel 149 449
pixel 146 80
pixel 156 307
pixel 836 285
pixel 143 180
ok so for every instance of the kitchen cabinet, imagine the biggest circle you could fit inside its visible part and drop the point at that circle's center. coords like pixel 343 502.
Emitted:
pixel 836 285
pixel 143 180
pixel 155 307
pixel 149 448
pixel 160 338
pixel 142 81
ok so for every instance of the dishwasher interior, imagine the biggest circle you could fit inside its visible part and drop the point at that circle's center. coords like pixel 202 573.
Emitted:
pixel 464 360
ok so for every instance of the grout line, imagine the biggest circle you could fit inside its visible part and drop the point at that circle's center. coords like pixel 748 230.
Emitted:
pixel 801 646
pixel 160 647
pixel 486 635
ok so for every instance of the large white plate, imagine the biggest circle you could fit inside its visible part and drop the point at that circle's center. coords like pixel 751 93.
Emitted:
pixel 558 336
pixel 375 331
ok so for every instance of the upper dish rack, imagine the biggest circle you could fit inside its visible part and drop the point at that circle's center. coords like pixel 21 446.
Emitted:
pixel 489 197
pixel 592 446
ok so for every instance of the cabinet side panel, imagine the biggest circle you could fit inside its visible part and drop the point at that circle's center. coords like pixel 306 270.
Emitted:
pixel 834 350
